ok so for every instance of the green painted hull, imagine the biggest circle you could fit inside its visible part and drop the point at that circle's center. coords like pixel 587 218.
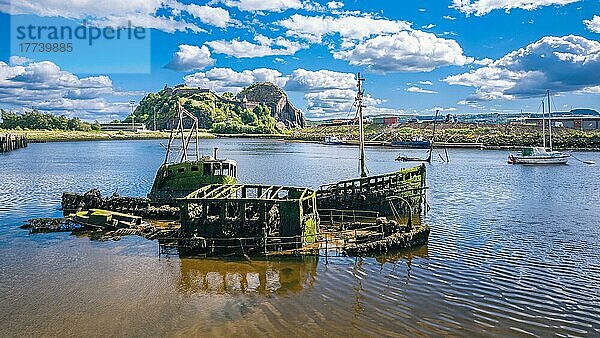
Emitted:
pixel 176 180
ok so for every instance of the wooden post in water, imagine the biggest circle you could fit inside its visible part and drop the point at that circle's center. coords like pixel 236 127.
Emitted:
pixel 10 142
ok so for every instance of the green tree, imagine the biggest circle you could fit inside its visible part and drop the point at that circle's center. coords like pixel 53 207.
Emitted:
pixel 96 126
pixel 248 117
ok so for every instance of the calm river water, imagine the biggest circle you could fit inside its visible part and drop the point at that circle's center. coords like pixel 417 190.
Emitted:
pixel 513 251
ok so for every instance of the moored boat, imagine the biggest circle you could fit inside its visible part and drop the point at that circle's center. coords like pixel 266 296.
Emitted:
pixel 332 140
pixel 540 155
pixel 416 143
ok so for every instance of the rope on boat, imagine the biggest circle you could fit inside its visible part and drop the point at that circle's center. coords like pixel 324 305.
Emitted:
pixel 583 161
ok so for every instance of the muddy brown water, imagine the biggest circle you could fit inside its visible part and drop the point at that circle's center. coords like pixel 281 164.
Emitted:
pixel 513 251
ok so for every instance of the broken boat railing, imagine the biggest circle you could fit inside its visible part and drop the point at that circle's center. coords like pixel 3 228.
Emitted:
pixel 325 242
pixel 339 217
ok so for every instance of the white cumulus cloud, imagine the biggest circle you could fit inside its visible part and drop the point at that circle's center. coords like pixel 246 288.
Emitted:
pixel 264 46
pixel 264 5
pixel 415 89
pixel 313 28
pixel 189 58
pixel 338 103
pixel 406 51
pixel 18 60
pixel 223 80
pixel 482 7
pixel 593 24
pixel 213 16
pixel 44 86
pixel 335 5
pixel 306 80
pixel 560 64
pixel 163 15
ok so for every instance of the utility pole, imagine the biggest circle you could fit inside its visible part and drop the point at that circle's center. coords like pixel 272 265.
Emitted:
pixel 550 120
pixel 359 101
pixel 132 103
pixel 154 122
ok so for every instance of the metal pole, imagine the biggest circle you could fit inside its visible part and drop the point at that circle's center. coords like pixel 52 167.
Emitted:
pixel 132 103
pixel 550 120
pixel 359 100
pixel 544 124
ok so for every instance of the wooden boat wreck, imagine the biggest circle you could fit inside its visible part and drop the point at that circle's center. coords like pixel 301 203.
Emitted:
pixel 187 171
pixel 98 218
pixel 246 219
pixel 400 192
pixel 369 214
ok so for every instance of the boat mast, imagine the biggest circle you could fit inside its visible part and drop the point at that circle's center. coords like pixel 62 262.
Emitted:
pixel 549 120
pixel 437 111
pixel 544 124
pixel 179 118
pixel 360 106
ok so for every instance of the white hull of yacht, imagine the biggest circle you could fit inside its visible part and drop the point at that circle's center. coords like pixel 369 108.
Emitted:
pixel 562 159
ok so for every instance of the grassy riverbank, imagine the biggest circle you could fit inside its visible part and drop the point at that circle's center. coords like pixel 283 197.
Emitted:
pixel 492 136
pixel 62 136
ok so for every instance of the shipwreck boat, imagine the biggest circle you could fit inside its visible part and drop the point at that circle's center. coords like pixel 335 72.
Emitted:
pixel 105 219
pixel 219 217
pixel 187 172
pixel 246 219
pixel 400 192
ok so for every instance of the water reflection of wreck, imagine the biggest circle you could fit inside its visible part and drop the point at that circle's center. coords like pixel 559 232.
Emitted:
pixel 273 276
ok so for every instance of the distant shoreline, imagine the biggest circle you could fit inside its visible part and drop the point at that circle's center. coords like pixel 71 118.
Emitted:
pixel 40 136
pixel 495 137
pixel 492 137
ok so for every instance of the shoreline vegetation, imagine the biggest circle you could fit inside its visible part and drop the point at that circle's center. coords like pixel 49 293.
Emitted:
pixel 491 136
pixel 502 136
pixel 34 136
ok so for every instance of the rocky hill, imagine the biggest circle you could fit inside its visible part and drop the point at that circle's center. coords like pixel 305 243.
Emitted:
pixel 276 99
pixel 260 108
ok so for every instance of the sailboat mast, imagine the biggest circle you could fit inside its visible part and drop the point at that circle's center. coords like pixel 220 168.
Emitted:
pixel 359 101
pixel 549 120
pixel 544 124
pixel 437 111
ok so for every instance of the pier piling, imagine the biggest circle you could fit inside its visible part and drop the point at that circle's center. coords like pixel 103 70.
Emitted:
pixel 10 142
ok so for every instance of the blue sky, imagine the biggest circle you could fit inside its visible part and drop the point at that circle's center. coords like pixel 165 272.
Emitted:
pixel 461 56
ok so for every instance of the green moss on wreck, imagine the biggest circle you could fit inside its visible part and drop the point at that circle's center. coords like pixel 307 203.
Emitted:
pixel 176 180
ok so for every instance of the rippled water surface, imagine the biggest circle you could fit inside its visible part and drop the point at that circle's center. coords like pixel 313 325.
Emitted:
pixel 513 251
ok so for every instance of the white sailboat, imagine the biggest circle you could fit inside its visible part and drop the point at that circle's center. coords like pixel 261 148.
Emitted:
pixel 540 155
